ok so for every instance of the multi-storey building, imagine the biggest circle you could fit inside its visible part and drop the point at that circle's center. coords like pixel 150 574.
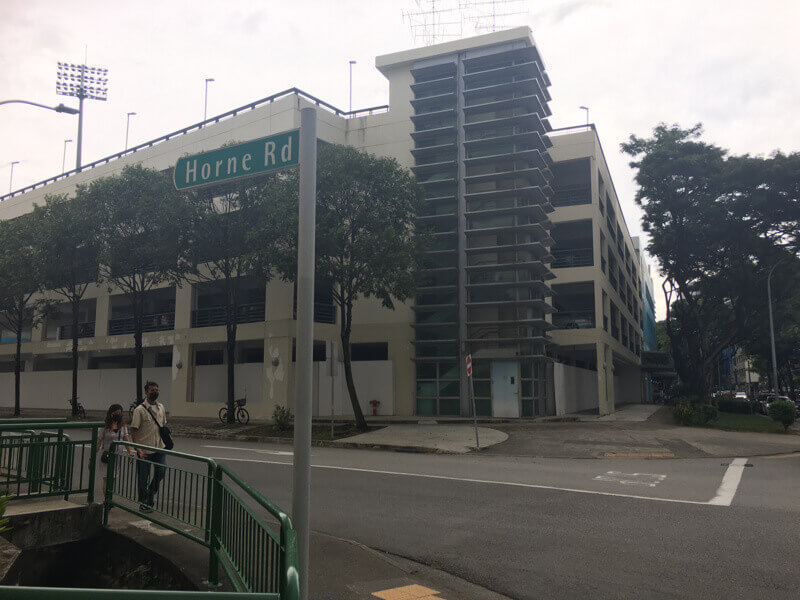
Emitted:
pixel 648 323
pixel 596 290
pixel 516 212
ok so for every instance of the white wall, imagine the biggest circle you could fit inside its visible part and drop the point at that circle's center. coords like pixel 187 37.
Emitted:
pixel 628 387
pixel 97 388
pixel 374 381
pixel 576 389
pixel 211 382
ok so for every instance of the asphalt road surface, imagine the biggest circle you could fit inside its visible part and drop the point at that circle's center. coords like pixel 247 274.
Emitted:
pixel 556 528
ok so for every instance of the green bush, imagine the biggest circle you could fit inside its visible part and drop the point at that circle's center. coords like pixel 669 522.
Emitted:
pixel 282 418
pixel 729 404
pixel 783 412
pixel 694 413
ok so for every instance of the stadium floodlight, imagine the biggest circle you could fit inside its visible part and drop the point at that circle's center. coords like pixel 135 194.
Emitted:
pixel 81 82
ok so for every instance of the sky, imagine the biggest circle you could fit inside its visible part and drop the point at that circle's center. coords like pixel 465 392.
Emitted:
pixel 730 65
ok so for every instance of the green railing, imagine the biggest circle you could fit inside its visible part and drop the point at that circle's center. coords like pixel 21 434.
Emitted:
pixel 35 464
pixel 214 507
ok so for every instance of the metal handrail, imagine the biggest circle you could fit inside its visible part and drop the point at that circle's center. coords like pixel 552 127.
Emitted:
pixel 198 126
pixel 163 321
pixel 210 503
pixel 215 315
pixel 84 330
pixel 571 257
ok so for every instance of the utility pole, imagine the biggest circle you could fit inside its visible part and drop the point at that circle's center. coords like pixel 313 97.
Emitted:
pixel 205 104
pixel 11 177
pixel 64 157
pixel 352 62
pixel 772 331
pixel 128 127
pixel 586 108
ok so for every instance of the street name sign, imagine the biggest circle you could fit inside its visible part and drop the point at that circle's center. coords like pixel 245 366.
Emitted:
pixel 237 162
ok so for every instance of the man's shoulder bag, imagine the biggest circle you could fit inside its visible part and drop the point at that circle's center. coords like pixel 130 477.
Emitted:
pixel 164 432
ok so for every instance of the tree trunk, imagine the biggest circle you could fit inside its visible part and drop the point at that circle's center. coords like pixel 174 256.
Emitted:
pixel 18 362
pixel 75 315
pixel 137 342
pixel 346 317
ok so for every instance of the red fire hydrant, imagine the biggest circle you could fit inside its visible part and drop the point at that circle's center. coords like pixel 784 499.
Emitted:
pixel 374 404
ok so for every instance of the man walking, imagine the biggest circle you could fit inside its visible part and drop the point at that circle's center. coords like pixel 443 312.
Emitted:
pixel 148 417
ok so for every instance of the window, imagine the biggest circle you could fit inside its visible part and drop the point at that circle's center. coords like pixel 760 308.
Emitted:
pixel 369 351
pixel 209 357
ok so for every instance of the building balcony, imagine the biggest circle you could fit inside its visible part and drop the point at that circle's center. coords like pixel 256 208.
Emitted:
pixel 571 257
pixel 577 319
pixel 85 330
pixel 215 315
pixel 572 195
pixel 154 322
pixel 434 87
pixel 442 101
pixel 323 313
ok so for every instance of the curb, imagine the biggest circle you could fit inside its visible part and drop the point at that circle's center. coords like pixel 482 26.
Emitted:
pixel 318 443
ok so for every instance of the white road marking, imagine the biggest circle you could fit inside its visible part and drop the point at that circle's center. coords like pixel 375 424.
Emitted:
pixel 468 480
pixel 648 479
pixel 275 452
pixel 730 483
pixel 151 527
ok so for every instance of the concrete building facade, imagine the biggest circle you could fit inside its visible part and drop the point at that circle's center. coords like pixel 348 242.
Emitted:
pixel 532 269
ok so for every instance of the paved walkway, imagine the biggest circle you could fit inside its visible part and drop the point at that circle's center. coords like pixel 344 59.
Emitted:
pixel 631 413
pixel 458 439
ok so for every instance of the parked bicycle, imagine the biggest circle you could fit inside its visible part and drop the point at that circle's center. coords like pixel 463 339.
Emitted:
pixel 81 410
pixel 241 414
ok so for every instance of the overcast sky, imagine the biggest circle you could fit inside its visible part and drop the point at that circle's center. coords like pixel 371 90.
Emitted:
pixel 731 65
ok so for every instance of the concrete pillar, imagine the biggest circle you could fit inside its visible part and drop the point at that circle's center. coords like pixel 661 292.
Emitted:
pixel 605 378
pixel 102 314
pixel 277 376
pixel 278 299
pixel 38 332
pixel 404 373
pixel 181 393
pixel 184 303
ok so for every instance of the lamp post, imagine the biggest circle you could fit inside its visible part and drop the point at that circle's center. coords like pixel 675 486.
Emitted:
pixel 128 127
pixel 81 82
pixel 64 157
pixel 11 177
pixel 205 105
pixel 586 108
pixel 59 109
pixel 772 331
pixel 352 62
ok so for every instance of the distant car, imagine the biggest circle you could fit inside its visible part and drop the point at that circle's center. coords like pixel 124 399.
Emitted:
pixel 741 396
pixel 764 400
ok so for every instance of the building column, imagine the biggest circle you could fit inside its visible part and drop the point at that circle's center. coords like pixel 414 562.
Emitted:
pixel 181 394
pixel 278 370
pixel 605 379
pixel 184 298
pixel 102 313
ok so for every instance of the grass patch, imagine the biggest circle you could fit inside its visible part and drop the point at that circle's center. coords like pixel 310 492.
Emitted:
pixel 756 423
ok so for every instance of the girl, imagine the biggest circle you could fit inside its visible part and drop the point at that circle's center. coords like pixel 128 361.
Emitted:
pixel 115 430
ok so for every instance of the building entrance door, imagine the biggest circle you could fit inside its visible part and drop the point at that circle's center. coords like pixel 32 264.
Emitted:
pixel 505 395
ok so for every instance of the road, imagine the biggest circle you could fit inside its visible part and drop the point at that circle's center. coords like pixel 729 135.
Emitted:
pixel 555 528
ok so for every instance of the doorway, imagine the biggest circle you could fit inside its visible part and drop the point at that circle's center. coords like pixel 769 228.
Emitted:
pixel 505 389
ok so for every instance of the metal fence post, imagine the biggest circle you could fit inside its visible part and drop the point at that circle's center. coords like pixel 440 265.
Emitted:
pixel 35 458
pixel 92 453
pixel 110 472
pixel 214 523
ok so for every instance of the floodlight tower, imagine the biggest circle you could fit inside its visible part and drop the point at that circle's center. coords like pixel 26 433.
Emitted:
pixel 81 82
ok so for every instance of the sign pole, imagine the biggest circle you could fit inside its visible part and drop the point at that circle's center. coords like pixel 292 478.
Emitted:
pixel 301 489
pixel 333 375
pixel 472 398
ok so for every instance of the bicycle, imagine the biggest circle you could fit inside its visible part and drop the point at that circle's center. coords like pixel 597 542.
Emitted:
pixel 242 416
pixel 81 411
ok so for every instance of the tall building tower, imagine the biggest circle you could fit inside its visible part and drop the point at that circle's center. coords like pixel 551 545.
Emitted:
pixel 479 115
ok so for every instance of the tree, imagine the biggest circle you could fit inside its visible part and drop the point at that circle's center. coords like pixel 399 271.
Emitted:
pixel 701 210
pixel 143 236
pixel 366 242
pixel 67 240
pixel 224 220
pixel 20 278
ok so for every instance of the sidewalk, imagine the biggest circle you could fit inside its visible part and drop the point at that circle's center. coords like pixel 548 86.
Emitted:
pixel 340 569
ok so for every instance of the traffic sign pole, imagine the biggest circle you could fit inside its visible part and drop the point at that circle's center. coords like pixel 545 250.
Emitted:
pixel 472 397
pixel 301 489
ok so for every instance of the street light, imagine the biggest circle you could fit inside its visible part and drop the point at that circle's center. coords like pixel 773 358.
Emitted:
pixel 586 108
pixel 772 331
pixel 352 62
pixel 64 157
pixel 11 178
pixel 59 109
pixel 81 82
pixel 127 128
pixel 205 106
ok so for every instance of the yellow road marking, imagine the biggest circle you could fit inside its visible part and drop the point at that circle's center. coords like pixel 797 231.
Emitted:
pixel 791 455
pixel 408 592
pixel 639 454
